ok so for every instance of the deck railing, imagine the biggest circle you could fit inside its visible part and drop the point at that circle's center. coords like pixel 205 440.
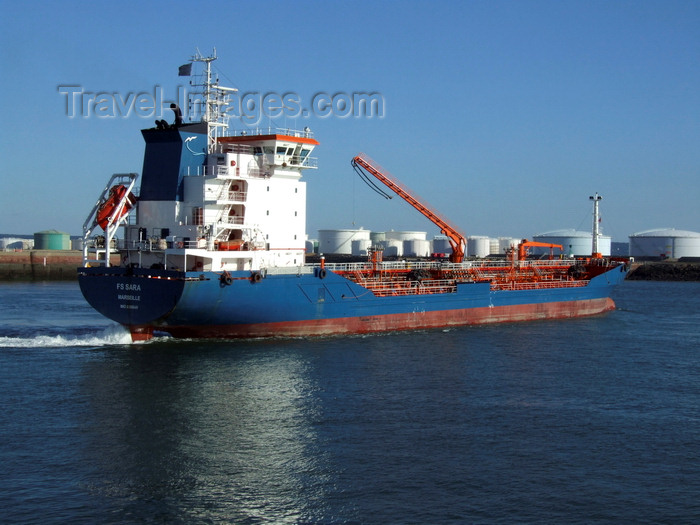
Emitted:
pixel 482 266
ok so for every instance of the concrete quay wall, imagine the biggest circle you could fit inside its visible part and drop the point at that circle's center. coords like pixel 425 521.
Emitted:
pixel 41 265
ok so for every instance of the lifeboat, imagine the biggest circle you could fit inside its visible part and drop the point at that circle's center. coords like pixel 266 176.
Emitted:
pixel 109 206
pixel 234 245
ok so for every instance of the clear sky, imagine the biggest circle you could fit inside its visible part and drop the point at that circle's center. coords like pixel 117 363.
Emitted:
pixel 504 115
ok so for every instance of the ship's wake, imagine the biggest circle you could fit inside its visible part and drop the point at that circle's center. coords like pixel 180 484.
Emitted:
pixel 111 335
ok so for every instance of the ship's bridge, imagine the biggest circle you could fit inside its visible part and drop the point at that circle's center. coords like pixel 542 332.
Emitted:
pixel 283 148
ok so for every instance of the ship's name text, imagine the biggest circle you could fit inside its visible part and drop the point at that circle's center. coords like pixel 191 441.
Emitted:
pixel 129 287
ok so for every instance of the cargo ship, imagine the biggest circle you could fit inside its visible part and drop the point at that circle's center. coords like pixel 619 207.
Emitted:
pixel 211 244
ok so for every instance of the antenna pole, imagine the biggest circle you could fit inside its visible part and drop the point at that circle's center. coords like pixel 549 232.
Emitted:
pixel 596 224
pixel 215 100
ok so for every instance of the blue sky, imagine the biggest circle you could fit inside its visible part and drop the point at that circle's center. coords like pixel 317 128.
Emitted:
pixel 504 115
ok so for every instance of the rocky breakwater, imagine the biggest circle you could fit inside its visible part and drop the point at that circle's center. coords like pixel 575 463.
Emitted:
pixel 665 271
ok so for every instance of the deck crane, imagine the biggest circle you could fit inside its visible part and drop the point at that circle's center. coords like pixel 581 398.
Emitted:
pixel 363 165
pixel 525 244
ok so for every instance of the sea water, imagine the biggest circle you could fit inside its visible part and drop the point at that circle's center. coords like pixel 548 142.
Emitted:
pixel 592 420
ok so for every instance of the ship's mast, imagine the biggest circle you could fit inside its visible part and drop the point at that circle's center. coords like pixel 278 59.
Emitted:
pixel 215 100
pixel 596 223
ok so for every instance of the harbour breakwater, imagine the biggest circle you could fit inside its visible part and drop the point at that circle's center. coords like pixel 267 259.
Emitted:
pixel 58 265
pixel 665 271
pixel 41 265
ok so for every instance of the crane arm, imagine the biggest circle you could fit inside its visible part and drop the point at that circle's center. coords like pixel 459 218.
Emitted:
pixel 525 244
pixel 457 240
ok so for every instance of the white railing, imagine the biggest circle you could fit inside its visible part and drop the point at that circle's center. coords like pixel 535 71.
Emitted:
pixel 306 133
pixel 306 162
pixel 257 173
pixel 427 286
pixel 224 147
pixel 289 270
pixel 217 171
pixel 237 196
pixel 446 266
pixel 232 220
pixel 296 161
pixel 226 195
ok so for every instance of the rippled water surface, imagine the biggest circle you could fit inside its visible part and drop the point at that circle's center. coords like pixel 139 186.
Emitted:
pixel 581 421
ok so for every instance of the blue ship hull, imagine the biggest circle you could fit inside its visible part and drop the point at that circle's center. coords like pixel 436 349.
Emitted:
pixel 196 304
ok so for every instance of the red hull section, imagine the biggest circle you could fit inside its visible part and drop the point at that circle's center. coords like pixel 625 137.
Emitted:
pixel 398 322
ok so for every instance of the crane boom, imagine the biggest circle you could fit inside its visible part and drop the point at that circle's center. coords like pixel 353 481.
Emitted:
pixel 525 244
pixel 456 239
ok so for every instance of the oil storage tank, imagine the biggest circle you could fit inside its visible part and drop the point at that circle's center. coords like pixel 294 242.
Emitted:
pixel 577 243
pixel 51 240
pixel 405 235
pixel 360 246
pixel 666 243
pixel 416 248
pixel 478 246
pixel 396 242
pixel 441 244
pixel 507 243
pixel 377 237
pixel 340 241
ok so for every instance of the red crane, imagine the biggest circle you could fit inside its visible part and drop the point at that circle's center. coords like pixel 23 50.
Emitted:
pixel 363 164
pixel 525 244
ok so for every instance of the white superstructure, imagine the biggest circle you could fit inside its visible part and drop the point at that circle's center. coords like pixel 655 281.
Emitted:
pixel 209 200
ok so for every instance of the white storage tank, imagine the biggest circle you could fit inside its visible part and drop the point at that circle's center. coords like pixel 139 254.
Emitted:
pixel 405 235
pixel 506 243
pixel 392 248
pixel 377 237
pixel 19 243
pixel 340 241
pixel 577 243
pixel 361 246
pixel 416 248
pixel 478 246
pixel 441 244
pixel 667 243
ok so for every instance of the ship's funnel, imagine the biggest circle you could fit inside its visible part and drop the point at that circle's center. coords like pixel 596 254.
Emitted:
pixel 178 114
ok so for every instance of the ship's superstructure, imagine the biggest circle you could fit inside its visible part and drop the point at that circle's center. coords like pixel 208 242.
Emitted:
pixel 213 241
pixel 210 201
